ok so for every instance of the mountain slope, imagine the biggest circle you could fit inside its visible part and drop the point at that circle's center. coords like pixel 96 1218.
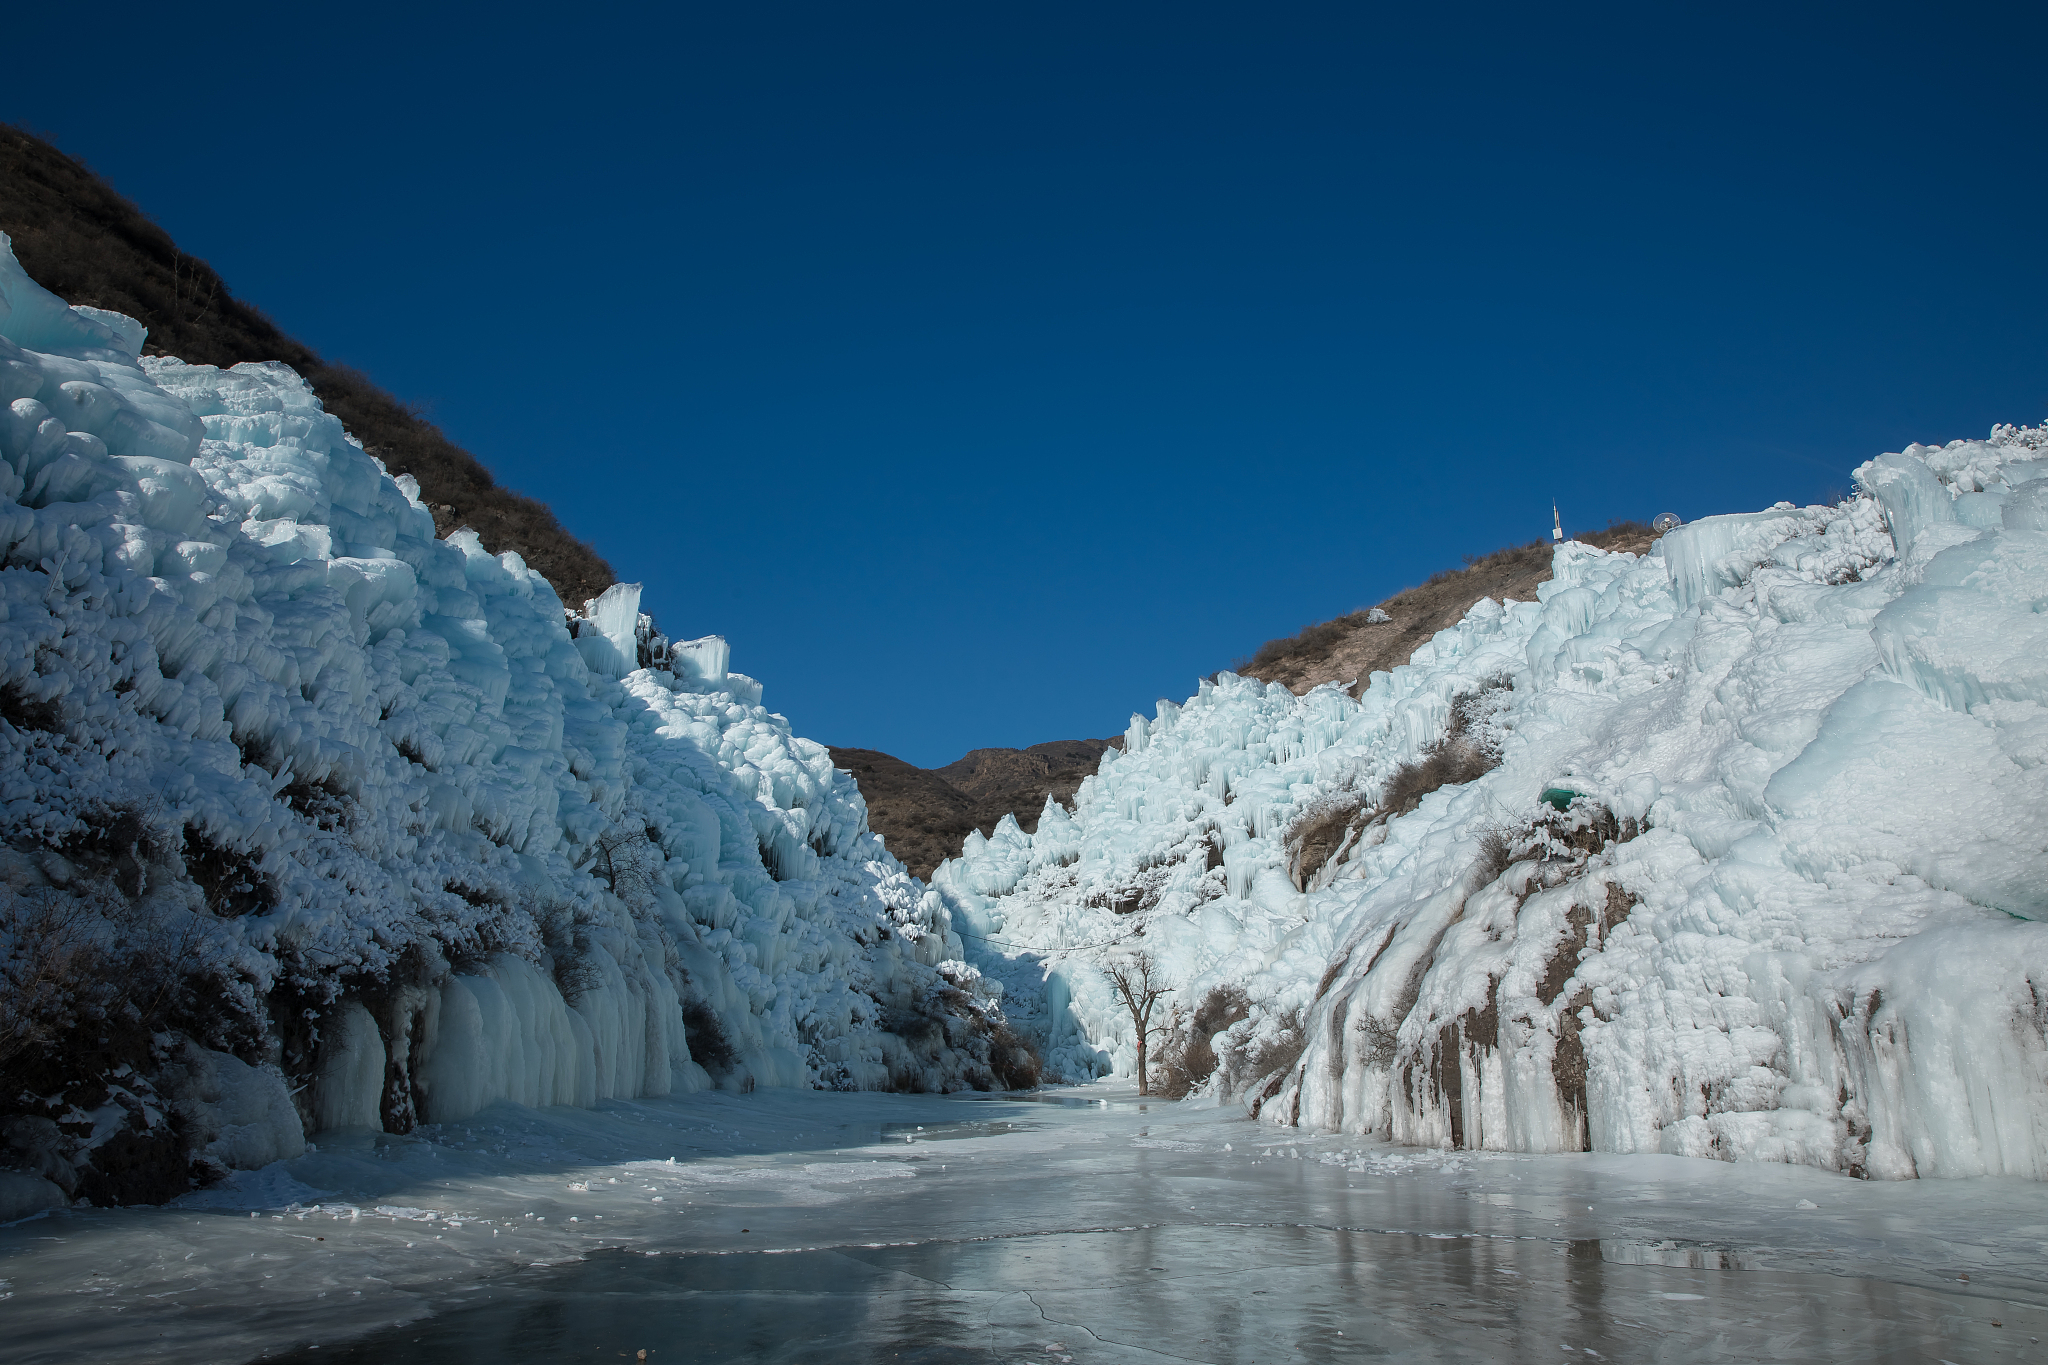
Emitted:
pixel 925 813
pixel 1732 849
pixel 1006 781
pixel 78 237
pixel 311 819
pixel 1353 647
pixel 920 815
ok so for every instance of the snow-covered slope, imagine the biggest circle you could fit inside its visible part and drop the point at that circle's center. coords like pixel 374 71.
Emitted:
pixel 1780 903
pixel 283 776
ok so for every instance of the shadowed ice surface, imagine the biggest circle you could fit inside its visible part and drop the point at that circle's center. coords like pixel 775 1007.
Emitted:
pixel 1211 1294
pixel 809 1227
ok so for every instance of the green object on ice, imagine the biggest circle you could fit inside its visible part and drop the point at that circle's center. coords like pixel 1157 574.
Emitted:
pixel 1560 797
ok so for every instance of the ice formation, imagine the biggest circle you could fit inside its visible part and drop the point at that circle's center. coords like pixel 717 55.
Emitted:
pixel 416 838
pixel 1736 849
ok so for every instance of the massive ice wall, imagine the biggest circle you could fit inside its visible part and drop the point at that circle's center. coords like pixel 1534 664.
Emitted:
pixel 420 845
pixel 1758 874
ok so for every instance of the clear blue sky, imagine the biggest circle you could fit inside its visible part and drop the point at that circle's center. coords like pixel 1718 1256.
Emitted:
pixel 984 373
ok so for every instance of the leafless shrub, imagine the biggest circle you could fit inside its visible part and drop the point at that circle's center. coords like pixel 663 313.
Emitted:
pixel 1496 852
pixel 1013 1060
pixel 568 949
pixel 1469 749
pixel 127 843
pixel 88 979
pixel 24 710
pixel 230 879
pixel 1323 829
pixel 1380 1041
pixel 53 970
pixel 1280 1048
pixel 1187 1058
pixel 627 859
pixel 710 1048
pixel 1443 765
pixel 1255 1054
pixel 1473 713
pixel 326 803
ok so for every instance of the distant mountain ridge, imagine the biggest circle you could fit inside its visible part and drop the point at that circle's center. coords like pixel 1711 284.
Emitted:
pixel 923 814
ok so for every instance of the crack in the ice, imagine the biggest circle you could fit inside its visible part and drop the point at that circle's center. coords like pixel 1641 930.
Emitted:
pixel 1092 1335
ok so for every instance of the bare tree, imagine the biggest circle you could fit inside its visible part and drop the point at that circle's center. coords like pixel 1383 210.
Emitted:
pixel 624 858
pixel 1133 978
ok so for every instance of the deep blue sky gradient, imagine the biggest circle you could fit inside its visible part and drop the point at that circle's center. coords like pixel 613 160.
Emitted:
pixel 985 373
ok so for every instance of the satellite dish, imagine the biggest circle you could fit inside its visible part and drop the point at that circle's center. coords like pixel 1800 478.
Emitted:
pixel 1666 521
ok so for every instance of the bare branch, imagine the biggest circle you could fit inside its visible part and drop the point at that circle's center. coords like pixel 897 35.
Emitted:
pixel 1134 979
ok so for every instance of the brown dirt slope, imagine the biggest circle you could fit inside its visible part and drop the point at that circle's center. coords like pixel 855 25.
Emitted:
pixel 918 813
pixel 1017 781
pixel 1350 649
pixel 82 241
pixel 923 814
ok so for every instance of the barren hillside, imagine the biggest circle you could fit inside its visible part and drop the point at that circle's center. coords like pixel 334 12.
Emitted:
pixel 78 237
pixel 1351 648
pixel 924 813
pixel 1017 781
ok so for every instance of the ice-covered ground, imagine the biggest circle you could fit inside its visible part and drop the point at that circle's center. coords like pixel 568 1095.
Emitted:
pixel 791 1225
pixel 1757 874
pixel 331 824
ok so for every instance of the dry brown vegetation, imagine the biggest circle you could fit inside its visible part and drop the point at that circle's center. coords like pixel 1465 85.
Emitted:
pixel 78 238
pixel 1323 829
pixel 1467 750
pixel 1349 649
pixel 1464 754
pixel 1013 1061
pixel 923 814
pixel 1188 1057
pixel 919 815
pixel 1017 781
pixel 1257 1062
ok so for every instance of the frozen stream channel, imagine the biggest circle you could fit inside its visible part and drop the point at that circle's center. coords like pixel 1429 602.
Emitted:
pixel 1075 1226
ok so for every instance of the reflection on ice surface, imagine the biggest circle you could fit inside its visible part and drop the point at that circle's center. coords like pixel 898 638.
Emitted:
pixel 795 1226
pixel 942 1132
pixel 1064 1099
pixel 1198 1294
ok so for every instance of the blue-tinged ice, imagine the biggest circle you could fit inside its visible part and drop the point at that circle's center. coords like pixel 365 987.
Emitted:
pixel 504 851
pixel 1758 873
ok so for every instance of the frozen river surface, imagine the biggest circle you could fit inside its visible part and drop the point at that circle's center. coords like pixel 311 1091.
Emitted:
pixel 1081 1226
